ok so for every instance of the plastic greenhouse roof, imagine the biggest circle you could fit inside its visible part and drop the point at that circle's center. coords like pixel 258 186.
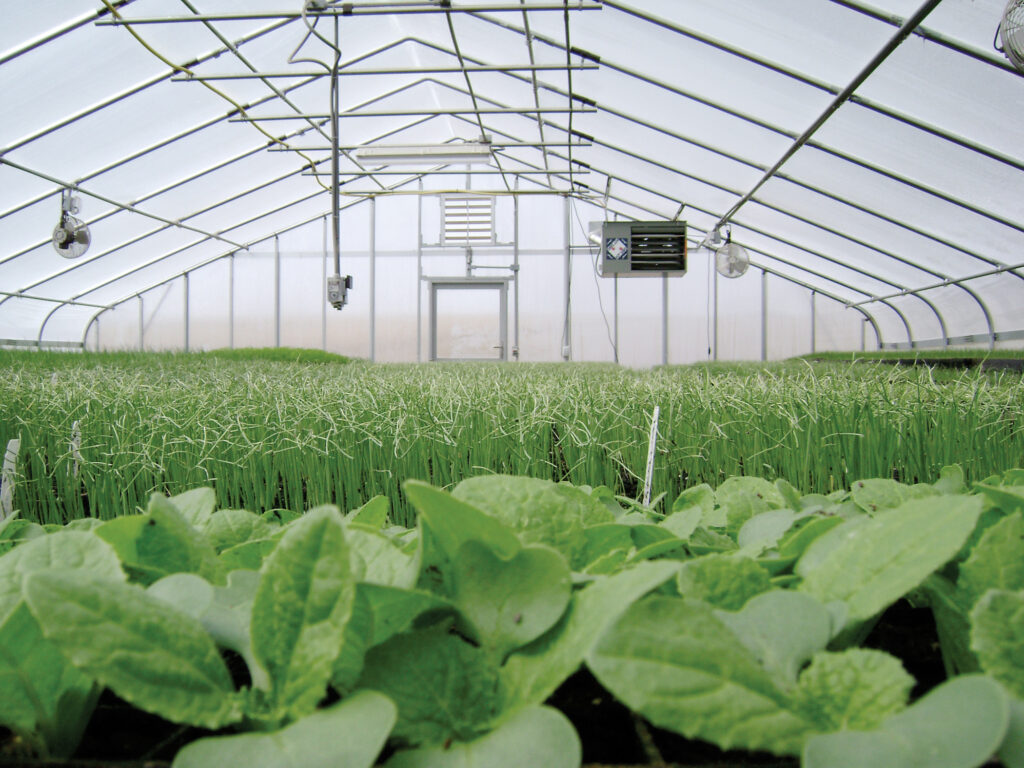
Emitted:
pixel 870 152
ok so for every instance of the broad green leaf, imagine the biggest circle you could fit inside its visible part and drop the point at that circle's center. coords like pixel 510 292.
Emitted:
pixel 705 541
pixel 996 562
pixel 673 662
pixel 161 542
pixel 349 734
pixel 1009 498
pixel 444 687
pixel 225 612
pixel 951 480
pixel 723 581
pixel 66 550
pixel 743 497
pixel 960 724
pixel 148 653
pixel 535 671
pixel 951 624
pixel 604 539
pixel 997 637
pixel 302 604
pixel 796 541
pixel 196 506
pixel 452 522
pixel 870 563
pixel 17 531
pixel 507 602
pixel 703 498
pixel 373 514
pixel 355 642
pixel 1012 750
pixel 249 555
pixel 782 630
pixel 539 736
pixel 790 495
pixel 43 698
pixel 377 560
pixel 856 689
pixel 83 524
pixel 281 516
pixel 684 522
pixel 228 528
pixel 397 610
pixel 539 511
pixel 880 494
pixel 763 531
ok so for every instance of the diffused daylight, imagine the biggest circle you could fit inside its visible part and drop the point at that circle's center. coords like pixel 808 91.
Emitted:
pixel 512 384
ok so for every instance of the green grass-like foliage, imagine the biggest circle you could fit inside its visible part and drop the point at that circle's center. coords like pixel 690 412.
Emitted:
pixel 282 435
pixel 734 619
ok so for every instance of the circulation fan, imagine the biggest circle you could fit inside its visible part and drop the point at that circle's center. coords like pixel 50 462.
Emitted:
pixel 71 236
pixel 1011 33
pixel 731 259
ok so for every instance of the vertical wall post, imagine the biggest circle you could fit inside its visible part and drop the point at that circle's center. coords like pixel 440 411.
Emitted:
pixel 567 324
pixel 419 273
pixel 323 295
pixel 373 279
pixel 277 292
pixel 231 300
pixel 185 292
pixel 714 319
pixel 615 315
pixel 864 335
pixel 814 314
pixel 664 318
pixel 515 273
pixel 764 315
pixel 97 332
pixel 142 325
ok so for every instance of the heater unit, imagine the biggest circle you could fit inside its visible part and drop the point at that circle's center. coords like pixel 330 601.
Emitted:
pixel 638 248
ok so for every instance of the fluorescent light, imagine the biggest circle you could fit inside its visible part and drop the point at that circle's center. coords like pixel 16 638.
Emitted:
pixel 426 154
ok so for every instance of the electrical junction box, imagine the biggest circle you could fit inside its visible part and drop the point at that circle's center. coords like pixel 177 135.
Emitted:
pixel 337 290
pixel 638 248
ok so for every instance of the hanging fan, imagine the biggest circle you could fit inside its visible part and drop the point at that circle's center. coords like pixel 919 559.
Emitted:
pixel 731 260
pixel 71 236
pixel 1011 33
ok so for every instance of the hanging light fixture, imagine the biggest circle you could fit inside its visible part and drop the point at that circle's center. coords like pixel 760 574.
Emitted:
pixel 472 152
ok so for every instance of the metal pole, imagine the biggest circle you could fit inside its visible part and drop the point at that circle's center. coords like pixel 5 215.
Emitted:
pixel 567 325
pixel 277 293
pixel 814 338
pixel 98 331
pixel 185 292
pixel 864 335
pixel 615 315
pixel 373 279
pixel 323 295
pixel 419 274
pixel 515 272
pixel 714 292
pixel 231 300
pixel 142 325
pixel 764 316
pixel 664 319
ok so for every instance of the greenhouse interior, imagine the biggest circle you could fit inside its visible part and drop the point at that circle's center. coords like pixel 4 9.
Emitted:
pixel 503 383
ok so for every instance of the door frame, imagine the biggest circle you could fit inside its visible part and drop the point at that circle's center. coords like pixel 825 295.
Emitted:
pixel 499 284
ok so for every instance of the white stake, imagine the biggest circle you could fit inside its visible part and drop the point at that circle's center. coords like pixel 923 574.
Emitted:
pixel 7 479
pixel 651 443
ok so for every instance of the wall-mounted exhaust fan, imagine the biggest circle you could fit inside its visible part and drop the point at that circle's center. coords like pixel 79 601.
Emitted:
pixel 1011 33
pixel 638 248
pixel 731 259
pixel 71 236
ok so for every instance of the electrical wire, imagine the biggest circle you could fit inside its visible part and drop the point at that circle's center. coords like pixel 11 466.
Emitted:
pixel 186 71
pixel 594 253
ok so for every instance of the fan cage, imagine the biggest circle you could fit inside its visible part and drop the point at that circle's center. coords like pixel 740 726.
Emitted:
pixel 1011 33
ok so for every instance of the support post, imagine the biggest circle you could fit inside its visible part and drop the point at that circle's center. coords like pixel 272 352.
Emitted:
pixel 277 292
pixel 231 301
pixel 515 273
pixel 142 325
pixel 185 292
pixel 373 279
pixel 323 296
pixel 567 324
pixel 814 329
pixel 764 316
pixel 664 318
pixel 615 315
pixel 714 319
pixel 419 273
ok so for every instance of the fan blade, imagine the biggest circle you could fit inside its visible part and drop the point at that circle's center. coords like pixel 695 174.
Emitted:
pixel 82 236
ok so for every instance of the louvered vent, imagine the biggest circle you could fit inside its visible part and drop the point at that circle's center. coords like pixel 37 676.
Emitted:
pixel 643 247
pixel 467 220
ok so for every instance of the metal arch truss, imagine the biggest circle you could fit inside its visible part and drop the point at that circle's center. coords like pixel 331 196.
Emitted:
pixel 466 67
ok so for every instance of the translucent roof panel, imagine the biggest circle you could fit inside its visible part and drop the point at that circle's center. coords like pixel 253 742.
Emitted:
pixel 854 156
